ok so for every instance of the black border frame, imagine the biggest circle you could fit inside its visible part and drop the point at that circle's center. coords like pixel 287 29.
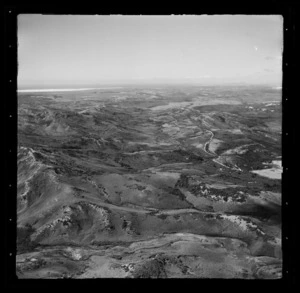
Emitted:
pixel 287 10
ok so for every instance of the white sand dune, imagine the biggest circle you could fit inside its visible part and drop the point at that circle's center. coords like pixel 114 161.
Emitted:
pixel 273 173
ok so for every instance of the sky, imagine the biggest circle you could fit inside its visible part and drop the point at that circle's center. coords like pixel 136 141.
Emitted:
pixel 78 50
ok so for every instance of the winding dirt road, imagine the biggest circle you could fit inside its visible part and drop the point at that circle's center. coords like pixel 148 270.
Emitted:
pixel 206 146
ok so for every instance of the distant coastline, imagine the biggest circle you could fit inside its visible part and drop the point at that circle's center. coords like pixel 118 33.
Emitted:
pixel 63 90
pixel 127 85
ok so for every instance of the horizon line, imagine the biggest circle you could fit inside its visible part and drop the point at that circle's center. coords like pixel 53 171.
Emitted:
pixel 114 87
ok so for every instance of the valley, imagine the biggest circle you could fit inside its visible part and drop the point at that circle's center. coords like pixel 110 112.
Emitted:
pixel 150 182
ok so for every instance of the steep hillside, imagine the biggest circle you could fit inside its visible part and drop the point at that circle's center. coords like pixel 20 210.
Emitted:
pixel 154 182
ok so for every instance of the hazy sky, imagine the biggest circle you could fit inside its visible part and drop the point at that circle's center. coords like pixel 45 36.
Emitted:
pixel 84 50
